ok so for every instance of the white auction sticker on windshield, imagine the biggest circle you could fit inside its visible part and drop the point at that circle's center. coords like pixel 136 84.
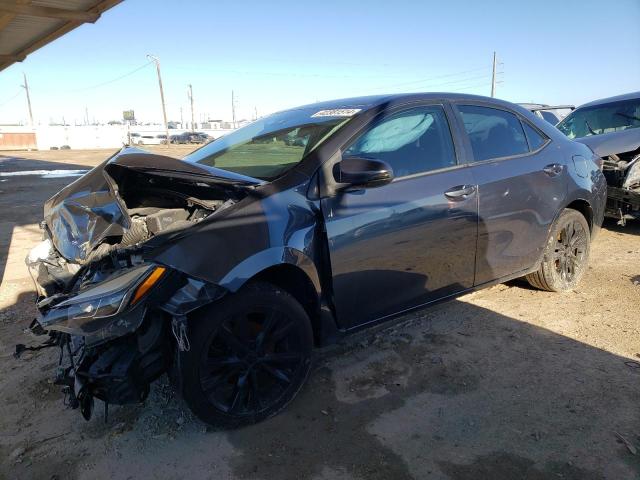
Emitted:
pixel 337 112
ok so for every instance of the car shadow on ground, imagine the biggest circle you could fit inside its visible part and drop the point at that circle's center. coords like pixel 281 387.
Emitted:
pixel 631 226
pixel 455 391
pixel 22 196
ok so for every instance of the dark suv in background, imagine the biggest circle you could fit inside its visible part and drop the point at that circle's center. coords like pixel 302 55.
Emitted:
pixel 228 267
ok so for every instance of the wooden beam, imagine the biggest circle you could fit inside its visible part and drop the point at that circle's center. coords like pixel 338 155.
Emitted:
pixel 5 18
pixel 38 41
pixel 11 58
pixel 49 12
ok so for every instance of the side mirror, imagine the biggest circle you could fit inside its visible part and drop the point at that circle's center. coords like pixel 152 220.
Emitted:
pixel 362 172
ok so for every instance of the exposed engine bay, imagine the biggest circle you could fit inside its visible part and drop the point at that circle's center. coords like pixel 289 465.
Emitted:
pixel 84 241
pixel 622 172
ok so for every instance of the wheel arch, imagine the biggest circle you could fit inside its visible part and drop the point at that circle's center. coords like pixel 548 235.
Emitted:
pixel 585 209
pixel 296 282
pixel 295 273
pixel 580 205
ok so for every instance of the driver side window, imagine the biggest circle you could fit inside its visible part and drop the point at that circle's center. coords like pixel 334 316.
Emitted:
pixel 412 141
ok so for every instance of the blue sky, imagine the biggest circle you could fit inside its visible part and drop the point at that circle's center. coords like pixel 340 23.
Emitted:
pixel 278 54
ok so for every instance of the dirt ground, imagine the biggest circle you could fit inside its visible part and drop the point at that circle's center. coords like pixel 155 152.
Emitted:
pixel 506 383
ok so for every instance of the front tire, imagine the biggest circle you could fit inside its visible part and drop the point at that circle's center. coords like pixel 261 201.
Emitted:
pixel 250 355
pixel 566 254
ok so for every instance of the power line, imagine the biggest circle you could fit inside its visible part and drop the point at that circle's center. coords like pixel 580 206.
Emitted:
pixel 113 80
pixel 484 84
pixel 322 75
pixel 13 97
pixel 427 79
pixel 452 82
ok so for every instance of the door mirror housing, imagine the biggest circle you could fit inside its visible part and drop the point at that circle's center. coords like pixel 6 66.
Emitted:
pixel 360 172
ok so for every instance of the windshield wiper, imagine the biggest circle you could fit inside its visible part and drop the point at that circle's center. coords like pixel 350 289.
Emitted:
pixel 586 122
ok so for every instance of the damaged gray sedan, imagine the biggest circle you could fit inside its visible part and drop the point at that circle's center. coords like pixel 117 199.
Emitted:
pixel 611 128
pixel 225 269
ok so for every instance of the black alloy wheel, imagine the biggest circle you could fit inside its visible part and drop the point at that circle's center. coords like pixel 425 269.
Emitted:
pixel 250 355
pixel 566 254
pixel 570 250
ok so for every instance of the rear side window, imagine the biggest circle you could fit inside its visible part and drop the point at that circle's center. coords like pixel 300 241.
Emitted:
pixel 535 138
pixel 413 141
pixel 493 133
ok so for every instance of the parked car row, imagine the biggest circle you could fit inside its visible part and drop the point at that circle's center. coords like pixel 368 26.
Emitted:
pixel 190 137
pixel 147 139
pixel 137 138
pixel 229 266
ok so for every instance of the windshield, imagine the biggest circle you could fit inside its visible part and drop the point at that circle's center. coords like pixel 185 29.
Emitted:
pixel 605 118
pixel 269 147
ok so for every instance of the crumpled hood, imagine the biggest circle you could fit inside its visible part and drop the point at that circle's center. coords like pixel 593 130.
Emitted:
pixel 610 143
pixel 81 215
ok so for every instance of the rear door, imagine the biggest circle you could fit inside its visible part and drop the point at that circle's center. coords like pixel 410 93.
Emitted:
pixel 522 183
pixel 413 240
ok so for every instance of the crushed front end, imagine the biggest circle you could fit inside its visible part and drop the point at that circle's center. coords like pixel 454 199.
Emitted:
pixel 623 193
pixel 112 342
pixel 117 315
pixel 118 331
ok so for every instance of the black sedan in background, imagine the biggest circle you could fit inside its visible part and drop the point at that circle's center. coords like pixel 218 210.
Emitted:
pixel 228 267
pixel 190 137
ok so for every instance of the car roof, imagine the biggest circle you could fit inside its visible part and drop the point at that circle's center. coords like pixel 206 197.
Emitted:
pixel 533 105
pixel 371 101
pixel 617 98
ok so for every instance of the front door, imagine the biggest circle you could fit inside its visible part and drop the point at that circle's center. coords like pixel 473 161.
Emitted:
pixel 413 240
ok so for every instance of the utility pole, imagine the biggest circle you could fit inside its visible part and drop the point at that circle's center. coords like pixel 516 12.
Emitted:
pixel 181 119
pixel 493 76
pixel 233 109
pixel 164 108
pixel 26 88
pixel 193 125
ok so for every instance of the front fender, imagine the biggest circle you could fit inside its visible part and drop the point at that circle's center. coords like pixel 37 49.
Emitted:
pixel 249 237
pixel 270 257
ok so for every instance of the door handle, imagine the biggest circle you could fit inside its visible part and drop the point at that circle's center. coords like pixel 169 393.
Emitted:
pixel 553 169
pixel 460 192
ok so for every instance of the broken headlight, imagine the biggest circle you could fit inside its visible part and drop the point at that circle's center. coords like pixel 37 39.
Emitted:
pixel 632 178
pixel 107 298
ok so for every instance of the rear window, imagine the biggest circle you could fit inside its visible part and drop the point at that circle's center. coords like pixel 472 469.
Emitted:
pixel 493 133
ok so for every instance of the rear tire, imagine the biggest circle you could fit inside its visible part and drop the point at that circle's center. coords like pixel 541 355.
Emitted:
pixel 250 355
pixel 566 254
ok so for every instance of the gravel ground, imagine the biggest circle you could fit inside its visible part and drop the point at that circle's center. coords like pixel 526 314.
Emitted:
pixel 506 383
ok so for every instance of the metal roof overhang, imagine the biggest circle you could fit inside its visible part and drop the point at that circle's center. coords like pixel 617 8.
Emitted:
pixel 26 26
